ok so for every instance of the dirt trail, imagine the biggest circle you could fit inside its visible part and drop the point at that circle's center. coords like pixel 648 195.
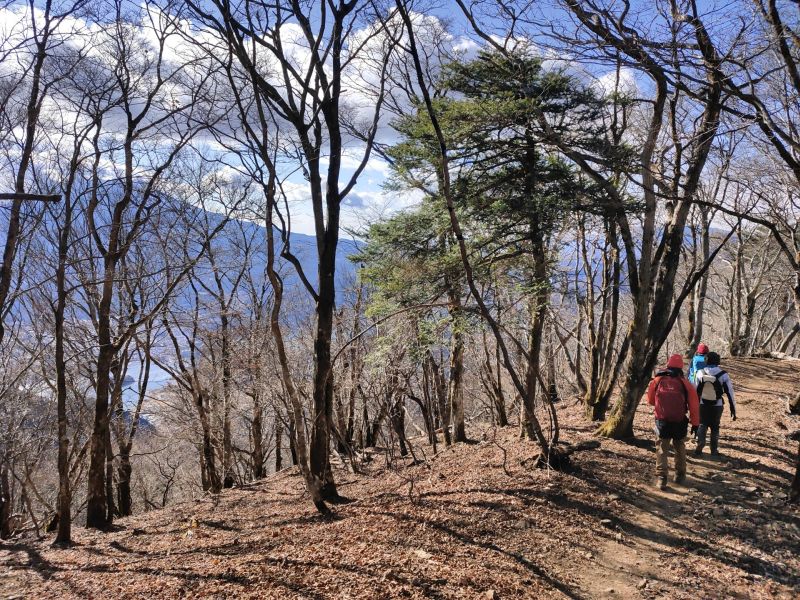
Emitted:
pixel 474 522
pixel 730 509
pixel 664 527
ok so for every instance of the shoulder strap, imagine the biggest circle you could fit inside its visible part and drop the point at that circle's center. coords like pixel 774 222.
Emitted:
pixel 684 386
pixel 658 378
pixel 720 374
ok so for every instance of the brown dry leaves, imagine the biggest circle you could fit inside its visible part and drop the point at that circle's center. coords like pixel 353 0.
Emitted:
pixel 466 530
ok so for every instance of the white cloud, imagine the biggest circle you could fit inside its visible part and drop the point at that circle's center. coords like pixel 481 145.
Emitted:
pixel 624 82
pixel 180 49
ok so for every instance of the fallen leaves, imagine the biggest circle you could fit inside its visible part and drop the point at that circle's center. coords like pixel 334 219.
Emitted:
pixel 468 532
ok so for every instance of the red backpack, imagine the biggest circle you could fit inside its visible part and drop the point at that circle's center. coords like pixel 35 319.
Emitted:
pixel 671 398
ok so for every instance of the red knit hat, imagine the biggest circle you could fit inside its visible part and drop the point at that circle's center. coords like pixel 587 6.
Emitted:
pixel 702 349
pixel 675 362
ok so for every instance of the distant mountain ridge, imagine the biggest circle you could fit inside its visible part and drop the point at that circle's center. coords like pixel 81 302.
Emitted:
pixel 297 305
pixel 303 247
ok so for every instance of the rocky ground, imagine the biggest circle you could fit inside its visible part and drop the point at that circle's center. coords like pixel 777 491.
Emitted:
pixel 472 522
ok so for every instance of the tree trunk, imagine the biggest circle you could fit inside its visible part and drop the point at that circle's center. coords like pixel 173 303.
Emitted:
pixel 32 112
pixel 784 345
pixel 227 448
pixel 398 419
pixel 430 430
pixel 96 500
pixel 537 306
pixel 111 504
pixel 653 296
pixel 355 368
pixel 256 432
pixel 455 390
pixel 699 296
pixel 297 437
pixel 319 453
pixel 209 456
pixel 647 333
pixel 278 444
pixel 64 512
pixel 293 447
pixel 124 471
pixel 225 358
pixel 787 340
pixel 532 370
pixel 500 403
pixel 440 393
pixel 602 401
pixel 5 499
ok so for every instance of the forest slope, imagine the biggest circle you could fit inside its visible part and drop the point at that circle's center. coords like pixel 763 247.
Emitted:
pixel 465 526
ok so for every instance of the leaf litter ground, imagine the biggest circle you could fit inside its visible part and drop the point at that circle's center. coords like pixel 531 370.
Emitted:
pixel 473 522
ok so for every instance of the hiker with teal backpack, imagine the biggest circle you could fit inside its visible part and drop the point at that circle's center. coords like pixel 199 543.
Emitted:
pixel 712 384
pixel 698 361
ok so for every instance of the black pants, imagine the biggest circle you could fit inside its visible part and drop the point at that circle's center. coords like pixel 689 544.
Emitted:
pixel 709 419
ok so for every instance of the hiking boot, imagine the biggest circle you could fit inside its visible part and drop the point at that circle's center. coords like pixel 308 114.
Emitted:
pixel 661 483
pixel 680 478
pixel 697 451
pixel 715 452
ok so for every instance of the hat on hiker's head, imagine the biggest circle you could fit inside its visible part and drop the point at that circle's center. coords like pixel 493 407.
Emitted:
pixel 702 349
pixel 712 359
pixel 675 362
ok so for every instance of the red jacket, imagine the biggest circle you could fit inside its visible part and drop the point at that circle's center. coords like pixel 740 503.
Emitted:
pixel 691 394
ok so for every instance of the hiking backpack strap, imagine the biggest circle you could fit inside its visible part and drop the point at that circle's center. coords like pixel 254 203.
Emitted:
pixel 718 389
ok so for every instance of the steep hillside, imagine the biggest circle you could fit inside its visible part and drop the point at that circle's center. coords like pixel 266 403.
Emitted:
pixel 471 522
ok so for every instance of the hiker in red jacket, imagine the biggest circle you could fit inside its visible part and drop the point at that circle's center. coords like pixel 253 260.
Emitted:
pixel 672 395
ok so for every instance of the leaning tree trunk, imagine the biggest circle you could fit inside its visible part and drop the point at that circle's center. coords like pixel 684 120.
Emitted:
pixel 647 333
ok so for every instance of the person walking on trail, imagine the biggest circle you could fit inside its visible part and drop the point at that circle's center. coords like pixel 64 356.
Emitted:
pixel 712 384
pixel 698 361
pixel 673 396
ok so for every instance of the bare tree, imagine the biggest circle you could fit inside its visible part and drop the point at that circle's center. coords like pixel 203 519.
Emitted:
pixel 308 97
pixel 674 173
pixel 43 28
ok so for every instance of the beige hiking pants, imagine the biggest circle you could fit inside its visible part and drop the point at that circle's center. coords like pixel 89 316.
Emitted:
pixel 662 456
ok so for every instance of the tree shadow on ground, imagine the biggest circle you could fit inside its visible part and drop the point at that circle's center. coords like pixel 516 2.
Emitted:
pixel 462 537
